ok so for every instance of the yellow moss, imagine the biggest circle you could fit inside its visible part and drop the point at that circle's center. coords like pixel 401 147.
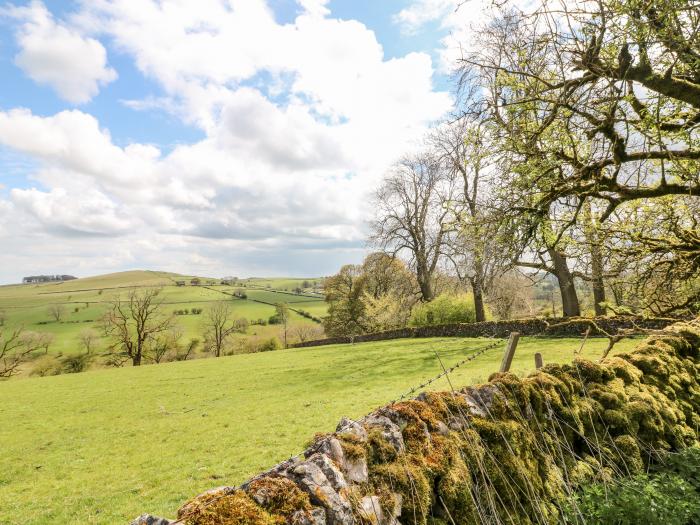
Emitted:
pixel 281 497
pixel 353 446
pixel 380 450
pixel 407 478
pixel 225 509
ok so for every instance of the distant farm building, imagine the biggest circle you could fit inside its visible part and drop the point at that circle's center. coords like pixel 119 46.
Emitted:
pixel 35 279
pixel 180 283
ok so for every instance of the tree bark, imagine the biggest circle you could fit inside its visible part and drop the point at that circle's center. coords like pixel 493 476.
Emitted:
pixel 569 298
pixel 425 284
pixel 598 283
pixel 479 303
pixel 426 289
pixel 593 241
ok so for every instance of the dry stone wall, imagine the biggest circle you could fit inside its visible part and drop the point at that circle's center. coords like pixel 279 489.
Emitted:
pixel 508 451
pixel 572 327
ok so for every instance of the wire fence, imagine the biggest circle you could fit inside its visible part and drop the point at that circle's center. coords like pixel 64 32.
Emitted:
pixel 446 371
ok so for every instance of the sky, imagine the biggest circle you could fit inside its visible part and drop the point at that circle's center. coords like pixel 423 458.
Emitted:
pixel 216 137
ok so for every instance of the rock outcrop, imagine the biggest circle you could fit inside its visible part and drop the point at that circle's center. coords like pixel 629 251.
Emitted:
pixel 509 451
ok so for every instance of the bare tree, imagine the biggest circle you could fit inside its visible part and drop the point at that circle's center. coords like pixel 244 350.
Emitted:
pixel 162 344
pixel 511 295
pixel 188 350
pixel 15 349
pixel 218 325
pixel 282 314
pixel 413 216
pixel 56 312
pixel 134 322
pixel 465 148
pixel 303 332
pixel 88 339
pixel 38 340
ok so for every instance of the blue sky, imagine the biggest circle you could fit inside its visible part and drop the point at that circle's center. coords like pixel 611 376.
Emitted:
pixel 212 137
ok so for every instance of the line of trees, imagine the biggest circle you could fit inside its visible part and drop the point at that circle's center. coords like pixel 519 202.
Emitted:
pixel 574 154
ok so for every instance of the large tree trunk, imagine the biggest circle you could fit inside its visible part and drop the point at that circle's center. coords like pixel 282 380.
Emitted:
pixel 136 359
pixel 479 309
pixel 598 283
pixel 593 240
pixel 478 291
pixel 426 289
pixel 569 298
pixel 425 283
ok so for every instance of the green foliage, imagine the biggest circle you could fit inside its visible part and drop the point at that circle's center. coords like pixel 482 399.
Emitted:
pixel 668 496
pixel 75 363
pixel 374 296
pixel 268 345
pixel 445 309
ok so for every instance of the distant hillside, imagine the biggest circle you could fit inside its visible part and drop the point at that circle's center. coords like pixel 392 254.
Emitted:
pixel 83 302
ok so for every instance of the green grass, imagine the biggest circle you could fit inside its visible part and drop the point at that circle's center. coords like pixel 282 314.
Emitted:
pixel 106 445
pixel 85 301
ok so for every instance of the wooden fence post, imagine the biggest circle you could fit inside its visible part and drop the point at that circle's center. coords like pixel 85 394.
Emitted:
pixel 539 362
pixel 510 351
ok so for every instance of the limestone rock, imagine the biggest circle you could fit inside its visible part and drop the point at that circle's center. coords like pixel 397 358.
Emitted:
pixel 390 430
pixel 316 516
pixel 329 446
pixel 348 426
pixel 442 428
pixel 356 469
pixel 311 479
pixel 330 470
pixel 370 510
pixel 147 519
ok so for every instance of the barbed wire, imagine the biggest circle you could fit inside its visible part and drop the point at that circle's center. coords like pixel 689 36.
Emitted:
pixel 445 372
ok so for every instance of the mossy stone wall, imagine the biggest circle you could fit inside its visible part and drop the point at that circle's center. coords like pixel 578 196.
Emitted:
pixel 509 451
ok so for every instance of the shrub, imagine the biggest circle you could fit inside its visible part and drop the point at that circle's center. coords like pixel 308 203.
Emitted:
pixel 241 325
pixel 269 345
pixel 445 309
pixel 46 365
pixel 76 363
pixel 252 345
pixel 670 495
pixel 274 319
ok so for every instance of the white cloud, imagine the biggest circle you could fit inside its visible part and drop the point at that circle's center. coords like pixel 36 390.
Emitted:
pixel 58 211
pixel 300 121
pixel 421 12
pixel 315 7
pixel 54 54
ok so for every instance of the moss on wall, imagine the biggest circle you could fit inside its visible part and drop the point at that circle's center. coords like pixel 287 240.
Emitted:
pixel 511 450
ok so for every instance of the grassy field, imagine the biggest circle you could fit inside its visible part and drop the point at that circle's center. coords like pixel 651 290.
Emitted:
pixel 105 445
pixel 84 301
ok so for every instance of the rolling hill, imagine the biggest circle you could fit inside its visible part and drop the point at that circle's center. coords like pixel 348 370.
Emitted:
pixel 84 301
